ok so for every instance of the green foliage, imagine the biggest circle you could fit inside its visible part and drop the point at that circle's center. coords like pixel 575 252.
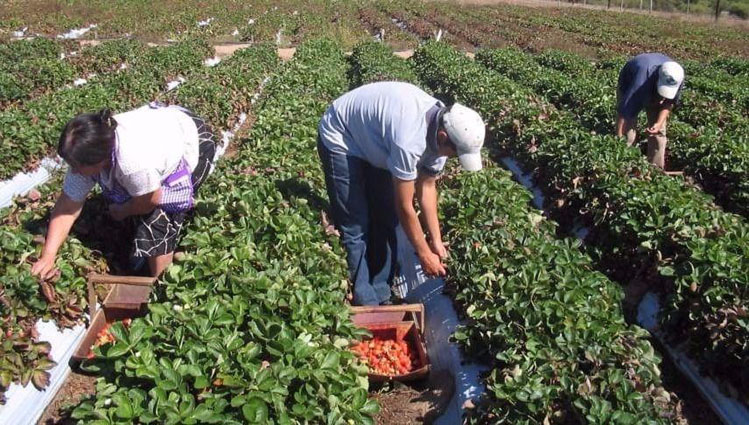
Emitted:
pixel 372 62
pixel 644 225
pixel 19 291
pixel 221 94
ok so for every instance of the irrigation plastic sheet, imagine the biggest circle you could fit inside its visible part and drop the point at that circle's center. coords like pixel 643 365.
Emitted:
pixel 25 405
pixel 22 183
pixel 441 321
pixel 730 410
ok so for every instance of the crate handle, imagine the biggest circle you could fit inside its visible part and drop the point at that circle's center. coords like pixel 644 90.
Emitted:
pixel 105 279
pixel 416 309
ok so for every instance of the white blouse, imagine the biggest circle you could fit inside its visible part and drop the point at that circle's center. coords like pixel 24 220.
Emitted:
pixel 150 144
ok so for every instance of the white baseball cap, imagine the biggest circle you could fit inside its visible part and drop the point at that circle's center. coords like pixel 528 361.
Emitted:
pixel 466 130
pixel 670 77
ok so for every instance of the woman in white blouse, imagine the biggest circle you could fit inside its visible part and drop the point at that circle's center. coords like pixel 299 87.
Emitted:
pixel 148 162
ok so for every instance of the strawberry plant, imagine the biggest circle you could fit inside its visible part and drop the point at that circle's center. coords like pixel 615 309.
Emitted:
pixel 54 72
pixel 220 94
pixel 644 225
pixel 22 356
pixel 372 62
pixel 550 326
pixel 733 65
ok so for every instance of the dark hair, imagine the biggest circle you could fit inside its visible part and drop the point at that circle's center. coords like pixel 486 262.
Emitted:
pixel 88 139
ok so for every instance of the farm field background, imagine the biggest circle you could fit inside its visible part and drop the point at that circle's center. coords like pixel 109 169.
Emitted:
pixel 247 326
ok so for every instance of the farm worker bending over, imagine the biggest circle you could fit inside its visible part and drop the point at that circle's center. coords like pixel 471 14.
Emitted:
pixel 148 162
pixel 383 145
pixel 649 81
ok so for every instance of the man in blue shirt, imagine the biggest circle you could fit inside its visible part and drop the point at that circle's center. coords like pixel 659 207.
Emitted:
pixel 650 81
pixel 382 146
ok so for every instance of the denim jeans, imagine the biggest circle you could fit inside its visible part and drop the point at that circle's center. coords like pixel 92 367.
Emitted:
pixel 363 209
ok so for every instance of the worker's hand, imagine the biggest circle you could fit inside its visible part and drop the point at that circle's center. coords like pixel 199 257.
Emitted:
pixel 117 212
pixel 431 264
pixel 439 249
pixel 655 129
pixel 44 268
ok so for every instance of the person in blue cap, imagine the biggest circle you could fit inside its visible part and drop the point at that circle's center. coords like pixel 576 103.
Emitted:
pixel 650 81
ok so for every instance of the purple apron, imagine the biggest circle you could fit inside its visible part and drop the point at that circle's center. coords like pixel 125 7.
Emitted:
pixel 177 193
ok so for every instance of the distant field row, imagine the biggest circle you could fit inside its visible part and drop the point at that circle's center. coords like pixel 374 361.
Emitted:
pixel 593 33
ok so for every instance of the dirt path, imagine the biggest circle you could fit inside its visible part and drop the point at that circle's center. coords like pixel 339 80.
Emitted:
pixel 413 403
pixel 76 388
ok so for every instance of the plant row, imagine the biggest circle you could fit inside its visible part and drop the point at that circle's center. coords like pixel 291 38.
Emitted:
pixel 35 75
pixel 21 304
pixel 249 327
pixel 644 226
pixel 733 65
pixel 12 52
pixel 372 62
pixel 220 22
pixel 717 161
pixel 222 93
pixel 375 21
pixel 550 326
pixel 29 131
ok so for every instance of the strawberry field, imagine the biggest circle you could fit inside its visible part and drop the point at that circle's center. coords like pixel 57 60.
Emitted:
pixel 250 324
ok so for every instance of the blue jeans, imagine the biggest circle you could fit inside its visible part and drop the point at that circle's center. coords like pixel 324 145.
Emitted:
pixel 363 209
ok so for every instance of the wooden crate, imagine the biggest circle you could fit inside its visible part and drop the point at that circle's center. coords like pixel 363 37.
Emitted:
pixel 126 299
pixel 396 322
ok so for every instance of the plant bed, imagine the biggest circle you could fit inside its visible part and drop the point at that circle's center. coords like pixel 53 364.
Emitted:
pixel 641 220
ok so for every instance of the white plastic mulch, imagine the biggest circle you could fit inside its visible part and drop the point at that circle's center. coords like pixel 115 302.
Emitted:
pixel 20 33
pixel 212 61
pixel 441 321
pixel 25 405
pixel 171 85
pixel 22 183
pixel 77 33
pixel 205 23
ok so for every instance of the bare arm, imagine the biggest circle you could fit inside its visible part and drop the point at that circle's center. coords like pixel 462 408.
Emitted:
pixel 63 216
pixel 662 117
pixel 404 196
pixel 138 205
pixel 426 194
pixel 621 125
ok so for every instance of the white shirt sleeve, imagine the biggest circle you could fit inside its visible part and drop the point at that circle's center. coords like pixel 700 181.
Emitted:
pixel 141 182
pixel 402 164
pixel 432 164
pixel 77 186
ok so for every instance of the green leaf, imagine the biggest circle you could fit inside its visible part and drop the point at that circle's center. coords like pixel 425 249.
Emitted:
pixel 118 349
pixel 255 410
pixel 124 407
pixel 331 361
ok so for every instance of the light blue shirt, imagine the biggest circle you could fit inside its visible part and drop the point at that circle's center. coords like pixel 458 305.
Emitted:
pixel 386 124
